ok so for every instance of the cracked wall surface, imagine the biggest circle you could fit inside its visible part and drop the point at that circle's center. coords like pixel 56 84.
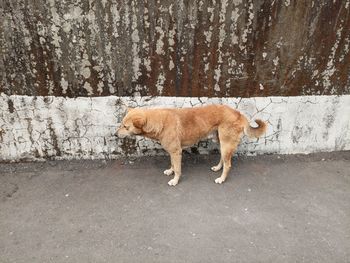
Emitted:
pixel 240 48
pixel 32 128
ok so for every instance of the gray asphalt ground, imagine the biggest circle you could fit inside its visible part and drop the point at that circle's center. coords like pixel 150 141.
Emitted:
pixel 271 209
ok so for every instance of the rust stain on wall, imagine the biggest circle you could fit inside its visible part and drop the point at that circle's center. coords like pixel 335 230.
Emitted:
pixel 175 48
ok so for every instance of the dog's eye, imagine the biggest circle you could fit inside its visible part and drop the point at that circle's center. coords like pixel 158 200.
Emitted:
pixel 126 127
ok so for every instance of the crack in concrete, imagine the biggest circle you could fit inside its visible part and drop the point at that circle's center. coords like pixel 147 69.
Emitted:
pixel 63 128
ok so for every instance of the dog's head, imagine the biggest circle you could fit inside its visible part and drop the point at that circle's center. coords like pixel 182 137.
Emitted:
pixel 132 123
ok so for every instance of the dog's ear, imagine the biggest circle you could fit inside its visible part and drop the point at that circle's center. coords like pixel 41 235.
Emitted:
pixel 139 121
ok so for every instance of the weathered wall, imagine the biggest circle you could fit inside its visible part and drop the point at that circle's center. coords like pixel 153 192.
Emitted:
pixel 66 64
pixel 57 127
pixel 174 48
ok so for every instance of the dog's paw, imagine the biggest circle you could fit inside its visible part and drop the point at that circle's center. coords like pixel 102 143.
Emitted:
pixel 216 168
pixel 219 180
pixel 168 171
pixel 173 182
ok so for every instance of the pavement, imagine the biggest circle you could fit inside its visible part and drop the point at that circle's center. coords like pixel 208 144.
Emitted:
pixel 275 208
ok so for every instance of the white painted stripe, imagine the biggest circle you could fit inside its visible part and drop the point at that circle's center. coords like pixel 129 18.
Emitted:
pixel 37 127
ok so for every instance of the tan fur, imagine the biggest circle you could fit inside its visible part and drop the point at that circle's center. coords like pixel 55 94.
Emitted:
pixel 176 129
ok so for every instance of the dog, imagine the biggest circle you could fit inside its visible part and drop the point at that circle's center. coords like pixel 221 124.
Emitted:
pixel 178 128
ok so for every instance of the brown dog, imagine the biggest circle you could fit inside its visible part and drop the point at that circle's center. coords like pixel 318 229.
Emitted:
pixel 176 129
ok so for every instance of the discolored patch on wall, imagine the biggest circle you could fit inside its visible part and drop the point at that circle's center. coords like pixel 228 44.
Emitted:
pixel 128 146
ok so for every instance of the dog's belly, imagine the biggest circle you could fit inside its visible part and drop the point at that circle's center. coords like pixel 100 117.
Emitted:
pixel 189 141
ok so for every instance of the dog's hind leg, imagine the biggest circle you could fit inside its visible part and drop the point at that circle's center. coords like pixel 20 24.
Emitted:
pixel 217 167
pixel 226 155
pixel 228 146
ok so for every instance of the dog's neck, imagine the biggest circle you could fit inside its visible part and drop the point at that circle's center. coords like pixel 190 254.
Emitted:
pixel 151 135
pixel 153 128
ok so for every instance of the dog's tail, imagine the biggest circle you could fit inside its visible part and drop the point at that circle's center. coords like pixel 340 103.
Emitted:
pixel 255 132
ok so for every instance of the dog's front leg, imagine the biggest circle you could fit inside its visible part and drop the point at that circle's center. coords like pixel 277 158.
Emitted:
pixel 169 171
pixel 176 164
pixel 218 166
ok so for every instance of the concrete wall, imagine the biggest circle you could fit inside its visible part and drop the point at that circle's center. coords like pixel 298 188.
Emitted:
pixel 65 65
pixel 57 127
